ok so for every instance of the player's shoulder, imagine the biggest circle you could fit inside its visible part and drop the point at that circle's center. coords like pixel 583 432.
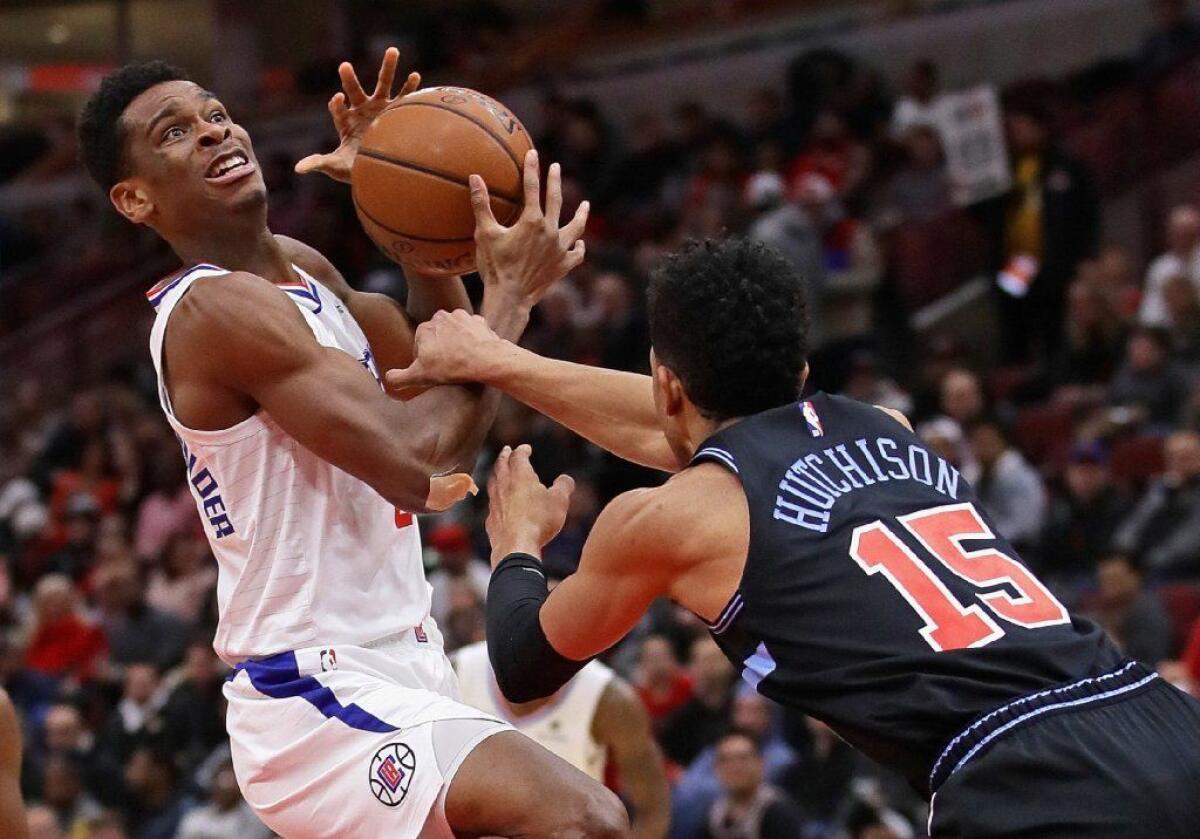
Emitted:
pixel 316 264
pixel 695 511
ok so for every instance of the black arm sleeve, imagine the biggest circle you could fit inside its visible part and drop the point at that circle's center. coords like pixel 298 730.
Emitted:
pixel 526 666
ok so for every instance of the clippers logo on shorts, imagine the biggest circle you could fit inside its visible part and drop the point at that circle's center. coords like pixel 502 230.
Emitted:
pixel 392 771
pixel 814 421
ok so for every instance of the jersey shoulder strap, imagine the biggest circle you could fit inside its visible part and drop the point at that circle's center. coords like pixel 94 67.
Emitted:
pixel 164 296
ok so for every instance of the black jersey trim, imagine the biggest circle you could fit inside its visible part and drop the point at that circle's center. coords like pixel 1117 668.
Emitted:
pixel 1131 676
pixel 713 453
pixel 732 609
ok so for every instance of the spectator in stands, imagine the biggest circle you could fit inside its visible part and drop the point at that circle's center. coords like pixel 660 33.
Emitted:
pixel 1181 259
pixel 1183 321
pixel 1163 529
pixel 182 583
pixel 136 631
pixel 1094 343
pixel 820 778
pixel 853 264
pixel 783 225
pixel 159 801
pixel 661 682
pixel 699 722
pixel 1009 489
pixel 920 103
pixel 226 816
pixel 749 808
pixel 64 446
pixel 42 823
pixel 833 154
pixel 1150 387
pixel 193 710
pixel 456 562
pixel 75 535
pixel 168 508
pixel 961 397
pixel 1174 40
pixel 136 720
pixel 1082 517
pixel 62 792
pixel 1133 616
pixel 921 190
pixel 1051 217
pixel 65 644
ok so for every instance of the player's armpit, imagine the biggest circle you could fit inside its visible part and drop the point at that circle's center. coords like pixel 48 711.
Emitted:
pixel 257 344
pixel 622 725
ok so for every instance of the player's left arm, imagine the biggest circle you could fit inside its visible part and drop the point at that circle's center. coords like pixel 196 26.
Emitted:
pixel 622 724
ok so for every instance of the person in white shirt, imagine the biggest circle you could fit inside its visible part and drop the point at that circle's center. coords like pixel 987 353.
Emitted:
pixel 456 563
pixel 1182 259
pixel 226 816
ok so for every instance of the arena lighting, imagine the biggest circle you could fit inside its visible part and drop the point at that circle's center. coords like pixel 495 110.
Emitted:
pixel 52 78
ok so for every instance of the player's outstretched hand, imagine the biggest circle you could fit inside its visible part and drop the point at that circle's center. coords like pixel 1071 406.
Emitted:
pixel 353 112
pixel 527 257
pixel 523 513
pixel 449 348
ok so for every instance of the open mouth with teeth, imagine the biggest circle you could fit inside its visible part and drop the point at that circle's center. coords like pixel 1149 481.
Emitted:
pixel 229 167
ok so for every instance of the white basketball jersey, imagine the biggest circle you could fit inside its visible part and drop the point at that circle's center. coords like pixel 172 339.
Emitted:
pixel 306 553
pixel 563 725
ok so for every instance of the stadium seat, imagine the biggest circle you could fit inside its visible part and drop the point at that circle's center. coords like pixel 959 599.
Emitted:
pixel 1182 602
pixel 1135 460
pixel 1044 433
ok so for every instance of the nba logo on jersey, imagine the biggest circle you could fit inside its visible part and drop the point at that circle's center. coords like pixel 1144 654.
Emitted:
pixel 419 634
pixel 328 660
pixel 814 421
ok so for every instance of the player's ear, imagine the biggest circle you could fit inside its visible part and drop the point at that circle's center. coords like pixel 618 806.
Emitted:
pixel 670 387
pixel 131 201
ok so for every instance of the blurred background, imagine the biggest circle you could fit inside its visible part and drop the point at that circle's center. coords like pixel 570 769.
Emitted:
pixel 995 204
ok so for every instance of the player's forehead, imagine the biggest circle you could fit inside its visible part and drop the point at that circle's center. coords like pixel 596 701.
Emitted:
pixel 164 97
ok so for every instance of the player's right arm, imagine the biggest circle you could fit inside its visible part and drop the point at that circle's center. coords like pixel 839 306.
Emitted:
pixel 236 341
pixel 612 408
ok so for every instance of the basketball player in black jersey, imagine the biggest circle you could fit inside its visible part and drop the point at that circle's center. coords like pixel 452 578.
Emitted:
pixel 842 566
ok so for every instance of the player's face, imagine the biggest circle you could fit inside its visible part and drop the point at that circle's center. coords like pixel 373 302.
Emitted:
pixel 188 160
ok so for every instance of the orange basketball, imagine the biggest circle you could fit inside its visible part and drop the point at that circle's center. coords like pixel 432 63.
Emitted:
pixel 410 175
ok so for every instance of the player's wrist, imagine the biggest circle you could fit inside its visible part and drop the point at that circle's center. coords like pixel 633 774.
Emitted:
pixel 506 311
pixel 518 541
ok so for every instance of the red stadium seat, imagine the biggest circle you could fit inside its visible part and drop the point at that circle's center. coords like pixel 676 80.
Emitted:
pixel 1044 433
pixel 932 258
pixel 1182 602
pixel 1136 460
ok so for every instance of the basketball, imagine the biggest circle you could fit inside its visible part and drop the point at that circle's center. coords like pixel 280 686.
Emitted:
pixel 409 180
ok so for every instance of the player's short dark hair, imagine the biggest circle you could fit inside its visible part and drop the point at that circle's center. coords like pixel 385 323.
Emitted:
pixel 729 316
pixel 101 131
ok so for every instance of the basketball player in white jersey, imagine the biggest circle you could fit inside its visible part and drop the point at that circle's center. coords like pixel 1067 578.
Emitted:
pixel 594 716
pixel 343 713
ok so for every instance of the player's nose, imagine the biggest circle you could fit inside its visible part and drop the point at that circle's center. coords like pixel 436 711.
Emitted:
pixel 212 134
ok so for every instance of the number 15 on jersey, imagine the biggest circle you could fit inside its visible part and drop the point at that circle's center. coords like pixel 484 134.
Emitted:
pixel 949 625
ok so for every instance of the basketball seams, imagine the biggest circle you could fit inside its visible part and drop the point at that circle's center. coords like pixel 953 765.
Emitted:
pixel 482 125
pixel 364 212
pixel 435 173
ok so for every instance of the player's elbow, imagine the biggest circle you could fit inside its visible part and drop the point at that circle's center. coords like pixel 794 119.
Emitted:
pixel 518 687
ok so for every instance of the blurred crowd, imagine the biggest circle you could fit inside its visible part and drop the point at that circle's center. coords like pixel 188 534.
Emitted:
pixel 1079 426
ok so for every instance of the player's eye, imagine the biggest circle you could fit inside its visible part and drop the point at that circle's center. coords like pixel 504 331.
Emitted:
pixel 217 116
pixel 173 133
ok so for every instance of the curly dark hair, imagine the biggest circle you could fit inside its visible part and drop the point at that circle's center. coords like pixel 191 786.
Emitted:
pixel 101 130
pixel 729 316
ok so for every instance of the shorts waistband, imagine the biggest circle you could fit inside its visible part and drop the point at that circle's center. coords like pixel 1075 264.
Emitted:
pixel 1129 677
pixel 318 658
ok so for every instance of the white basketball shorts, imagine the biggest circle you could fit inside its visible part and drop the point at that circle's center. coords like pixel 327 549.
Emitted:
pixel 352 741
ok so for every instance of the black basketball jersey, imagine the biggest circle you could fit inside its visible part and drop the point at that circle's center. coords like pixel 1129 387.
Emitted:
pixel 876 595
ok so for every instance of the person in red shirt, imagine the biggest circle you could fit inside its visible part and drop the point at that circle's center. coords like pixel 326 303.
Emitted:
pixel 64 643
pixel 661 681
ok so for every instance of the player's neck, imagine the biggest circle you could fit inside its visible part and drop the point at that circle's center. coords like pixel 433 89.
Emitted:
pixel 255 252
pixel 698 428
